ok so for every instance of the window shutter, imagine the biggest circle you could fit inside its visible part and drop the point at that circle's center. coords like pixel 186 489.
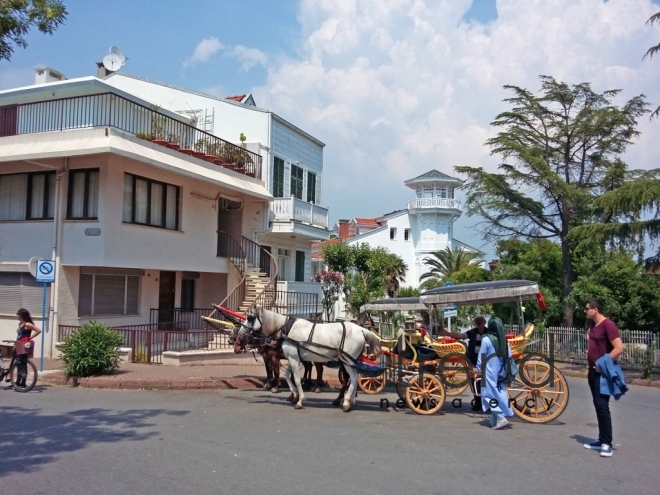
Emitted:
pixel 10 284
pixel 19 290
pixel 132 295
pixel 287 179
pixel 85 293
pixel 318 189
pixel 109 295
pixel 33 295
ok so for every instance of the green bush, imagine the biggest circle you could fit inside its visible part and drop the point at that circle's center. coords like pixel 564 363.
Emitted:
pixel 92 350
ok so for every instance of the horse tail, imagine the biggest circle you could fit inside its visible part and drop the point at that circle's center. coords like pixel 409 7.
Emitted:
pixel 372 341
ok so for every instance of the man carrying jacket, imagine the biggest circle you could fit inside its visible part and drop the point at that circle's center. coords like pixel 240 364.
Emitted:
pixel 604 338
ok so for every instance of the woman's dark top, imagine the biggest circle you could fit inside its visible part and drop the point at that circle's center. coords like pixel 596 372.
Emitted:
pixel 22 333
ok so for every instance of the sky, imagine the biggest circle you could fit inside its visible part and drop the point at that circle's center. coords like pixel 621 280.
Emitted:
pixel 394 88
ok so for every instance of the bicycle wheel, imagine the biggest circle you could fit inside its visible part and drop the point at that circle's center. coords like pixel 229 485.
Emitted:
pixel 28 381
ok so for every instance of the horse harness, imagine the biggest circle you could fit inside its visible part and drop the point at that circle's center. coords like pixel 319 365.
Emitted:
pixel 284 335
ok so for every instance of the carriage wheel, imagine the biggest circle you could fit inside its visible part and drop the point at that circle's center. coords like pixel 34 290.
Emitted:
pixel 456 377
pixel 538 404
pixel 427 396
pixel 372 385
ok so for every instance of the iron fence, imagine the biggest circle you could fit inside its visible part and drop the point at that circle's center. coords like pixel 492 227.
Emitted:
pixel 111 110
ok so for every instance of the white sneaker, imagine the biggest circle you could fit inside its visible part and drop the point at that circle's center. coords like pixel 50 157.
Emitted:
pixel 501 423
pixel 606 450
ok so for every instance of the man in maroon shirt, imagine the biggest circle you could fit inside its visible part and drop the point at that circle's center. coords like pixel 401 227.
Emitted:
pixel 604 337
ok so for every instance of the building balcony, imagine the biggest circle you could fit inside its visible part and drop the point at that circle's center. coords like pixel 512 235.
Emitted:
pixel 113 111
pixel 443 203
pixel 295 210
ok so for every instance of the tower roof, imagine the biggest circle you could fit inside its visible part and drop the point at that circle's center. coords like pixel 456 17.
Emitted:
pixel 432 177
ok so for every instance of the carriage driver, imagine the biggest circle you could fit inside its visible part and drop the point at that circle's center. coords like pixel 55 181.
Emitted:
pixel 474 336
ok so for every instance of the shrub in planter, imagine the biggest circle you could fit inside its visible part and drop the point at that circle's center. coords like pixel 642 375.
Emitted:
pixel 92 350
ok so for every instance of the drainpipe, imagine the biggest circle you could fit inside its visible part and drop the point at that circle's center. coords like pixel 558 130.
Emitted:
pixel 57 240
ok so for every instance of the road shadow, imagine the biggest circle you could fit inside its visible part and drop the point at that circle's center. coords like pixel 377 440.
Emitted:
pixel 582 439
pixel 317 401
pixel 33 439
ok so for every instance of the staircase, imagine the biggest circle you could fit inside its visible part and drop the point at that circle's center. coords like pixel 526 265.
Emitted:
pixel 256 282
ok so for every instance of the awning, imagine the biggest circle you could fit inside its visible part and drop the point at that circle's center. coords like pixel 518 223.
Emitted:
pixel 395 304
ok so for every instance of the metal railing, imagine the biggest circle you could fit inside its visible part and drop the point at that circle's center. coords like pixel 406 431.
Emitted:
pixel 260 258
pixel 111 110
pixel 230 248
pixel 148 342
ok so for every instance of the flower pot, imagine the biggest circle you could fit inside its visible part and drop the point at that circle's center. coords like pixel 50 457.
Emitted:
pixel 173 146
pixel 162 142
pixel 209 158
pixel 198 154
pixel 187 151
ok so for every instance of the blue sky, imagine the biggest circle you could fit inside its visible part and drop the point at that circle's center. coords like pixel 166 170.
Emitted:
pixel 393 87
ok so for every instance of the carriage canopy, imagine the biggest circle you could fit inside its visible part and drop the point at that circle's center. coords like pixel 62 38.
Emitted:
pixel 477 293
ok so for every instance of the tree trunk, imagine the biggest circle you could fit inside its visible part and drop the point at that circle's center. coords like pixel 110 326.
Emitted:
pixel 567 281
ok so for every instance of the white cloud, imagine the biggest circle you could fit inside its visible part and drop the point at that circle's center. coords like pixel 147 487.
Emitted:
pixel 204 51
pixel 397 87
pixel 249 57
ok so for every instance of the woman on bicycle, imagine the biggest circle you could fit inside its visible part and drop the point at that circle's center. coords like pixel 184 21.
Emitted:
pixel 24 334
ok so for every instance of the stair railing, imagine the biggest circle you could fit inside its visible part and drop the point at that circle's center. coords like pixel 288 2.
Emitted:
pixel 261 258
pixel 230 248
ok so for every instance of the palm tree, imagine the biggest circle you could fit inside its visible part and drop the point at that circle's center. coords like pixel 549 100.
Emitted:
pixel 394 272
pixel 447 262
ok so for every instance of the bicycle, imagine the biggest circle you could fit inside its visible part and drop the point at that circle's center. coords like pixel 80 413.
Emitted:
pixel 12 374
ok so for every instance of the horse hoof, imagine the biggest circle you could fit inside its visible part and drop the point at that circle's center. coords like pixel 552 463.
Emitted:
pixel 274 390
pixel 336 402
pixel 298 406
pixel 317 390
pixel 346 407
pixel 267 386
pixel 291 397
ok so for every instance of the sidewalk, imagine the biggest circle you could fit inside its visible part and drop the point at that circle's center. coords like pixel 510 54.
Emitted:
pixel 241 372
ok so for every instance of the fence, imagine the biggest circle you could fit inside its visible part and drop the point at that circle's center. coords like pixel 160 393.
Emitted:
pixel 148 342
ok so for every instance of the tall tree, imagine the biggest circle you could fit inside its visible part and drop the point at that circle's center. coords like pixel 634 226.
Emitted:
pixel 18 16
pixel 444 263
pixel 560 150
pixel 654 19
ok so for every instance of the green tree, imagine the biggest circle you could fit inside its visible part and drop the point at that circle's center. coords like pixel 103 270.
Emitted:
pixel 560 150
pixel 18 16
pixel 447 262
pixel 654 19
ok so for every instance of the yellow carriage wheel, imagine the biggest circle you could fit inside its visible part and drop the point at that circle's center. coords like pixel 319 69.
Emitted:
pixel 372 385
pixel 425 396
pixel 456 376
pixel 544 397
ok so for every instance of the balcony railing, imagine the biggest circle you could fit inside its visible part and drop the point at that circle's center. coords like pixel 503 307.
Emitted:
pixel 293 209
pixel 110 110
pixel 448 203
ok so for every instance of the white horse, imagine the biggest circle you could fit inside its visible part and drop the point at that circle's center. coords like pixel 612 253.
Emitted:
pixel 344 341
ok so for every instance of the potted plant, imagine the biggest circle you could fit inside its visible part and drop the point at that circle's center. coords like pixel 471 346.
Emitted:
pixel 172 141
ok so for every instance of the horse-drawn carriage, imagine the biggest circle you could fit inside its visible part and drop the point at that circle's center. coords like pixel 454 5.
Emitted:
pixel 427 370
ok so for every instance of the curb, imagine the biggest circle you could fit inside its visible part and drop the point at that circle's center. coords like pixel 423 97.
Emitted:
pixel 249 383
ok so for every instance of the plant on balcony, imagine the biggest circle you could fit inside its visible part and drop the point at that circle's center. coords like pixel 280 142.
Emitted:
pixel 173 141
pixel 331 283
pixel 158 124
pixel 144 135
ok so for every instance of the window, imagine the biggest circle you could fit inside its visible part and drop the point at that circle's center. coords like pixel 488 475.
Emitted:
pixel 149 202
pixel 27 196
pixel 278 178
pixel 300 266
pixel 108 295
pixel 311 187
pixel 83 194
pixel 406 234
pixel 19 290
pixel 441 192
pixel 296 182
pixel 393 234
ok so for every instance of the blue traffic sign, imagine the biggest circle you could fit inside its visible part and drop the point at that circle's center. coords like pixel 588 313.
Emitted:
pixel 45 272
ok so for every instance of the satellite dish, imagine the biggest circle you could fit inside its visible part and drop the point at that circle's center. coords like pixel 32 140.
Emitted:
pixel 116 51
pixel 33 265
pixel 112 62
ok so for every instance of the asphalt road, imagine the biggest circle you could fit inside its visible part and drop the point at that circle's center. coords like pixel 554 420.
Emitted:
pixel 58 440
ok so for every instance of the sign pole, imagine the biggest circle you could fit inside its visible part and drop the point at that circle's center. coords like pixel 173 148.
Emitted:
pixel 43 329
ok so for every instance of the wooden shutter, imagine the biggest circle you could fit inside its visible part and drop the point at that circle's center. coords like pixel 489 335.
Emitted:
pixel 318 190
pixel 8 121
pixel 300 266
pixel 287 179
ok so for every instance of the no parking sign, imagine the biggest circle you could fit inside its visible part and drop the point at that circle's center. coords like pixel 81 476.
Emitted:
pixel 45 274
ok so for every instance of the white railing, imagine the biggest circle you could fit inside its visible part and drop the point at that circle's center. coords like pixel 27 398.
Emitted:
pixel 303 287
pixel 453 204
pixel 571 343
pixel 293 209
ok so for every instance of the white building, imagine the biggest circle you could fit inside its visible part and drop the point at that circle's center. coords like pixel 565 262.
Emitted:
pixel 292 171
pixel 138 228
pixel 424 226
